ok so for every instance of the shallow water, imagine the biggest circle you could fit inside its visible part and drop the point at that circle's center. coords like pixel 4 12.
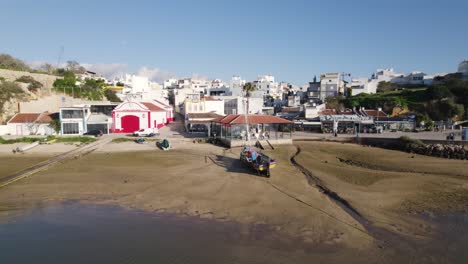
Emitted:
pixel 81 233
pixel 77 233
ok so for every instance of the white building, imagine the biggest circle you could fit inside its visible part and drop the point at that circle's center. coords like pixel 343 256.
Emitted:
pixel 79 119
pixel 217 83
pixel 199 86
pixel 136 84
pixel 414 78
pixel 129 117
pixel 236 85
pixel 238 104
pixel 195 103
pixel 312 111
pixel 170 84
pixel 293 100
pixel 369 86
pixel 331 85
pixel 25 124
pixel 266 86
pixel 386 75
pixel 361 85
pixel 140 88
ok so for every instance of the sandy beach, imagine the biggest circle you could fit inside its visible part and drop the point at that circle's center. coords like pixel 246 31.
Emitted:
pixel 388 189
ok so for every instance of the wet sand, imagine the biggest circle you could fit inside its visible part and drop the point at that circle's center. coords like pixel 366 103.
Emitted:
pixel 205 181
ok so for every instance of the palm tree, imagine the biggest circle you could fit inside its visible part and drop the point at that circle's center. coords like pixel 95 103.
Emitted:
pixel 248 89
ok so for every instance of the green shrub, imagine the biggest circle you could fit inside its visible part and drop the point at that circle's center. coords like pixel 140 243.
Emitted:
pixel 9 90
pixel 111 96
pixel 19 140
pixel 11 63
pixel 33 84
pixel 72 139
pixel 122 140
pixel 407 143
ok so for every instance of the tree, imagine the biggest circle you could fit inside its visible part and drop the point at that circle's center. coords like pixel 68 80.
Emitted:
pixel 32 126
pixel 55 125
pixel 386 87
pixel 111 96
pixel 75 67
pixel 9 62
pixel 439 92
pixel 47 67
pixel 336 103
pixel 248 89
pixel 8 90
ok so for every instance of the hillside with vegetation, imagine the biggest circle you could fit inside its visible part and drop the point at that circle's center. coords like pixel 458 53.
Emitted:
pixel 89 89
pixel 66 79
pixel 446 99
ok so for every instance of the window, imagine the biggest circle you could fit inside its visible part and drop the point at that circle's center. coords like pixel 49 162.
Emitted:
pixel 72 114
pixel 70 128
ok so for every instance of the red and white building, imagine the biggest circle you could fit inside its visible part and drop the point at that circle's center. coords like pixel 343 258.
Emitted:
pixel 129 117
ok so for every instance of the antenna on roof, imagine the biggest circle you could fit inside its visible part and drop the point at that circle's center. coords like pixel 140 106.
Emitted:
pixel 59 60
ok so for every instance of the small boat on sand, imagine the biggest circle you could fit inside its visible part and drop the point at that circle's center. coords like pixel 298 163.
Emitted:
pixel 140 140
pixel 164 145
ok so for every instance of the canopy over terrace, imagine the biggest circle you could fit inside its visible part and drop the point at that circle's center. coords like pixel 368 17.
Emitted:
pixel 200 122
pixel 233 128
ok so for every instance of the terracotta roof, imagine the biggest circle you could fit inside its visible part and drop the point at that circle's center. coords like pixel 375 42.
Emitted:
pixel 162 103
pixel 40 118
pixel 253 119
pixel 347 112
pixel 228 119
pixel 375 113
pixel 209 115
pixel 209 98
pixel 153 107
pixel 328 112
pixel 218 119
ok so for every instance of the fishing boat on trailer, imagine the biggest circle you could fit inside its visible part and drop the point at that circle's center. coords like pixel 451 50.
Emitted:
pixel 252 158
pixel 257 161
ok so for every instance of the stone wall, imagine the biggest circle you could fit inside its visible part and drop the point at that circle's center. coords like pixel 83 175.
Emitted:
pixel 393 143
pixel 240 143
pixel 52 103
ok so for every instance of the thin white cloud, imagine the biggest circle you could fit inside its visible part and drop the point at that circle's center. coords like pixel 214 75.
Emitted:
pixel 197 76
pixel 38 64
pixel 109 70
pixel 154 74
pixel 112 70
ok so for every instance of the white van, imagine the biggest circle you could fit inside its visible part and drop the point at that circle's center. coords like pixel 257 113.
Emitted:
pixel 146 132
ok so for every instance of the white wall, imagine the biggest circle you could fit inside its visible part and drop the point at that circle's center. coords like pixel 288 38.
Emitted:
pixel 21 129
pixel 313 111
pixel 4 130
pixel 215 106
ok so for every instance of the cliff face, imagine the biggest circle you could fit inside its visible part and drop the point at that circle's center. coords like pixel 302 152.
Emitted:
pixel 42 100
pixel 46 80
pixel 12 105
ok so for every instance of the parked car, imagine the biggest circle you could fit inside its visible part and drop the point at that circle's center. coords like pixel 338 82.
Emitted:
pixel 96 133
pixel 146 132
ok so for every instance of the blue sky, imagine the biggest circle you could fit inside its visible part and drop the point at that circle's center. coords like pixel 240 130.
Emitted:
pixel 293 40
